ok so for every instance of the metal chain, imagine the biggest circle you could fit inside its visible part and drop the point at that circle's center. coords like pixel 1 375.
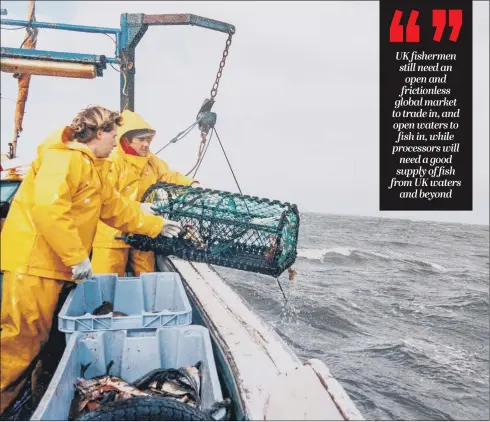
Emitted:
pixel 214 90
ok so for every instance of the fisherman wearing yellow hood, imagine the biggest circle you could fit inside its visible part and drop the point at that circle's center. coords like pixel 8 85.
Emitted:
pixel 49 231
pixel 134 169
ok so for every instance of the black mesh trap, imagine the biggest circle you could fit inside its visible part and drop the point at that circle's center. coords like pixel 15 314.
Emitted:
pixel 222 228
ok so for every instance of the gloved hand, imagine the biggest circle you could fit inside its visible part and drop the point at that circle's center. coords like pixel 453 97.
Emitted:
pixel 147 207
pixel 82 271
pixel 171 228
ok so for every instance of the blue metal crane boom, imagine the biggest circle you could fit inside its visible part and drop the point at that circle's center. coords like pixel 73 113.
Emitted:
pixel 133 28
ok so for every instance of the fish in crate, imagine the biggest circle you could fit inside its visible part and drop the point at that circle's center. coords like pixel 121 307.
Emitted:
pixel 108 397
pixel 222 228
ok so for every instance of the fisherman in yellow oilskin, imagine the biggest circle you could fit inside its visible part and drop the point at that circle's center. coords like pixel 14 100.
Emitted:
pixel 134 169
pixel 49 231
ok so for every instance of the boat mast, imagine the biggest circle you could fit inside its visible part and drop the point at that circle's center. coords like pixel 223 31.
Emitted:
pixel 23 79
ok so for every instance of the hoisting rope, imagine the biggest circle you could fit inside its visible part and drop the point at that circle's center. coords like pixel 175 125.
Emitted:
pixel 292 273
pixel 179 136
pixel 206 120
pixel 30 40
pixel 282 291
pixel 209 122
pixel 214 91
pixel 124 66
pixel 203 147
pixel 228 161
pixel 203 155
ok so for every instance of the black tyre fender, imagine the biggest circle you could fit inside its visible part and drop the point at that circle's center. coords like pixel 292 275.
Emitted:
pixel 146 409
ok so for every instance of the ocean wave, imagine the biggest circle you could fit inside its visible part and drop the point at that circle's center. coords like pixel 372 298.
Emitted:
pixel 389 243
pixel 464 235
pixel 480 255
pixel 424 354
pixel 346 252
pixel 399 243
pixel 425 264
pixel 442 354
pixel 332 318
pixel 319 254
pixel 360 290
pixel 466 301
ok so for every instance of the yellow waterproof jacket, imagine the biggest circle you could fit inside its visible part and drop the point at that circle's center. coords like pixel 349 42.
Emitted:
pixel 53 218
pixel 132 175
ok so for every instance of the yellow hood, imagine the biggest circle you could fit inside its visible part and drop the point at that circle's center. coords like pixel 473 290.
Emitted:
pixel 131 121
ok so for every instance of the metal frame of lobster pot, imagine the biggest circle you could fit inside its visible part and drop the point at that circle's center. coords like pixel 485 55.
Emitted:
pixel 223 228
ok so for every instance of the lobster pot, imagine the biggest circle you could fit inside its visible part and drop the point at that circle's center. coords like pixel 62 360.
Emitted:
pixel 222 228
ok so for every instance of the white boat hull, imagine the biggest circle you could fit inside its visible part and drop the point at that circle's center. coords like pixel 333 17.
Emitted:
pixel 270 381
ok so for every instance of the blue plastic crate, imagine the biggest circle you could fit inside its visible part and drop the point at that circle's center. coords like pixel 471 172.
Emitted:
pixel 134 354
pixel 151 301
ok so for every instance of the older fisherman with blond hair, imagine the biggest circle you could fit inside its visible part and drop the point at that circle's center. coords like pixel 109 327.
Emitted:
pixel 133 170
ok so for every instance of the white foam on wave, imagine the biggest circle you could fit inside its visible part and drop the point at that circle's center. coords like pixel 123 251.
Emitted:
pixel 379 255
pixel 436 266
pixel 421 262
pixel 443 354
pixel 320 254
pixel 340 251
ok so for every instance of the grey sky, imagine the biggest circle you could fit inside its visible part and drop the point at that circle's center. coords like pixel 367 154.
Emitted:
pixel 297 104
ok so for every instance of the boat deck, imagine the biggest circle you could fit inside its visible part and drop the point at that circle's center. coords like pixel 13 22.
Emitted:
pixel 257 369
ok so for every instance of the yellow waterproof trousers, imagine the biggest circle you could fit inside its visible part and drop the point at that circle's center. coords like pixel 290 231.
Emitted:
pixel 115 260
pixel 28 306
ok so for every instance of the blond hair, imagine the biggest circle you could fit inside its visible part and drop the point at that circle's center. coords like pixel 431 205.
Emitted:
pixel 85 125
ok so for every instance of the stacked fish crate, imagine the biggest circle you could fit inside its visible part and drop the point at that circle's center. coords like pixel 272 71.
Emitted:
pixel 123 329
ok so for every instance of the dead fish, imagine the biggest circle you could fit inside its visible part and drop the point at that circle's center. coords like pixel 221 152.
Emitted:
pixel 90 394
pixel 107 308
pixel 95 388
pixel 183 384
